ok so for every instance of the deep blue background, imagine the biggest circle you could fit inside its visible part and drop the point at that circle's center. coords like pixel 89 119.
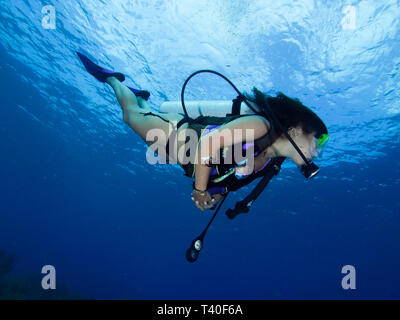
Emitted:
pixel 114 227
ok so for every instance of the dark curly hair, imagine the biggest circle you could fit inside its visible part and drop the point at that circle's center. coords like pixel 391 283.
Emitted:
pixel 290 112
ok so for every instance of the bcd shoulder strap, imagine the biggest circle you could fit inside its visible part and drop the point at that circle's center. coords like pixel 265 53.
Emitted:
pixel 236 103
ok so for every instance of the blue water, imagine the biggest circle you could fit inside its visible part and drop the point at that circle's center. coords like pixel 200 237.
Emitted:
pixel 76 191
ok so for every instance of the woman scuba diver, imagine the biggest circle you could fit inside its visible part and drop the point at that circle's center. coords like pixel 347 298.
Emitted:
pixel 280 128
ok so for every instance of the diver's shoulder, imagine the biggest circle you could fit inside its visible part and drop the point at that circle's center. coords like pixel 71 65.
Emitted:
pixel 259 120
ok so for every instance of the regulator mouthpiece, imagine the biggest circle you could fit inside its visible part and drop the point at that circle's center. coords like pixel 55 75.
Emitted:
pixel 310 170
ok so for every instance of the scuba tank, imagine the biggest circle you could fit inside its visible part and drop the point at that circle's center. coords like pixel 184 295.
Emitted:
pixel 216 108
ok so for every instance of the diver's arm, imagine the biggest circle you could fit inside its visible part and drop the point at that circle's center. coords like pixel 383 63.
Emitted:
pixel 200 196
pixel 210 145
pixel 225 136
pixel 202 199
pixel 202 174
pixel 205 154
pixel 208 149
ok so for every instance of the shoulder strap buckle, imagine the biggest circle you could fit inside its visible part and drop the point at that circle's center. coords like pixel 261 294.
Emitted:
pixel 236 103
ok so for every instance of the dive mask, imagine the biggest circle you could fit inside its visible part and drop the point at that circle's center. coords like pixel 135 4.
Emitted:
pixel 310 169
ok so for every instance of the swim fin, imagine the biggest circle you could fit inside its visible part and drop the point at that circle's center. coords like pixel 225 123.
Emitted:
pixel 102 74
pixel 98 72
pixel 140 93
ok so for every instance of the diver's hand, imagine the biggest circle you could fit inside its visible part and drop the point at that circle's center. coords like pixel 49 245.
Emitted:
pixel 202 200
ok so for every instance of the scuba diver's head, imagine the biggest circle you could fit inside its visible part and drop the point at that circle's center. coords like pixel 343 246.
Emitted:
pixel 304 131
pixel 307 143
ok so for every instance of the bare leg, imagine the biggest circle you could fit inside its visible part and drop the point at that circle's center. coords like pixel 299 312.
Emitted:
pixel 136 114
pixel 126 98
